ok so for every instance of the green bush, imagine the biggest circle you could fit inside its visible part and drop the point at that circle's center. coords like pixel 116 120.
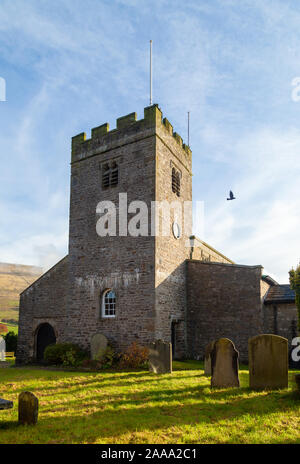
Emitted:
pixel 11 340
pixel 295 285
pixel 69 358
pixel 104 359
pixel 67 354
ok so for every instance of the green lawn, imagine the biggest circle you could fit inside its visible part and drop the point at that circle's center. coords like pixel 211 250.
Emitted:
pixel 141 407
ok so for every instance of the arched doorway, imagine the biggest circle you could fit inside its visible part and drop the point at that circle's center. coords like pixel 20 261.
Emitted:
pixel 45 336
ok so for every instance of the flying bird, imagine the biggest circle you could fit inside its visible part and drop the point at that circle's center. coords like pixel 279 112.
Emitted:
pixel 231 196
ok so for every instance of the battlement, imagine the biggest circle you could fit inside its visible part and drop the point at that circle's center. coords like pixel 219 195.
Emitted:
pixel 102 135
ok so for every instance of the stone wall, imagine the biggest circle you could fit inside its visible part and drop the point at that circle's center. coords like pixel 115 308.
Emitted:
pixel 122 263
pixel 44 301
pixel 264 287
pixel 204 252
pixel 224 300
pixel 170 252
pixel 281 319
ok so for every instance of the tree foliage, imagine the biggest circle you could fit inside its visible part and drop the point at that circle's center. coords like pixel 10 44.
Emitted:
pixel 11 340
pixel 295 285
pixel 3 328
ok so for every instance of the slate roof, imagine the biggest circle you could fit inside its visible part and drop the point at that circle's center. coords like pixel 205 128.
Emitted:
pixel 280 294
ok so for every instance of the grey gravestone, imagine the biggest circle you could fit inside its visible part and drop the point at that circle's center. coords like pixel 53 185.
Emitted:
pixel 2 349
pixel 160 357
pixel 207 358
pixel 5 404
pixel 98 345
pixel 268 362
pixel 224 364
pixel 28 408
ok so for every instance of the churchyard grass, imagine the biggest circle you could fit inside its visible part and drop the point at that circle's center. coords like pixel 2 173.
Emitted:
pixel 142 407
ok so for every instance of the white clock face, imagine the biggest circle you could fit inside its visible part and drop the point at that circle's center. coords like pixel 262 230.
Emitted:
pixel 176 230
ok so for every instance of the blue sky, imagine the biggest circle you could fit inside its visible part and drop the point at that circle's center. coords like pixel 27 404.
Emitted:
pixel 71 65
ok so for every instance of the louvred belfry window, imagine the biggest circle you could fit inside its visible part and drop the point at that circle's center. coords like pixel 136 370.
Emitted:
pixel 114 175
pixel 105 176
pixel 176 182
pixel 110 175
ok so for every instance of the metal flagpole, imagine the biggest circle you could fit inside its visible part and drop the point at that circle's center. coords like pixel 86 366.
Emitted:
pixel 150 72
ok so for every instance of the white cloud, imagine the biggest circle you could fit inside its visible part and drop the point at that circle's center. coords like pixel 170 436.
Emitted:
pixel 39 250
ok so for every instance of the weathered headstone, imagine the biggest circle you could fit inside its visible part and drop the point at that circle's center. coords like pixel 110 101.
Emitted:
pixel 160 357
pixel 5 404
pixel 2 349
pixel 98 345
pixel 207 358
pixel 224 364
pixel 268 362
pixel 28 408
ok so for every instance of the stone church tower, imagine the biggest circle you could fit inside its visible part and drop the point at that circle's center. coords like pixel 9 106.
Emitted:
pixel 145 273
pixel 126 287
pixel 138 283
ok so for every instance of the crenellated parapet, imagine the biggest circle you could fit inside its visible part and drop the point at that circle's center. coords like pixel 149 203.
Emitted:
pixel 126 126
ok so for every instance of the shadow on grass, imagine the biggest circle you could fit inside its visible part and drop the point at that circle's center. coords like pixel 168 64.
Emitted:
pixel 116 417
pixel 108 415
pixel 102 379
pixel 112 379
pixel 9 425
pixel 193 395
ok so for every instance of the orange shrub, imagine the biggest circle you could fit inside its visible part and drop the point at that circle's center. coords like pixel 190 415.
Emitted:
pixel 3 328
pixel 135 356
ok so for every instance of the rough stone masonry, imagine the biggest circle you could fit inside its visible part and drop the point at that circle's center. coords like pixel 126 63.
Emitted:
pixel 175 288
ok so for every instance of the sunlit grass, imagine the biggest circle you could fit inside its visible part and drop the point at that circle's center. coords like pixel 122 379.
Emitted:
pixel 142 407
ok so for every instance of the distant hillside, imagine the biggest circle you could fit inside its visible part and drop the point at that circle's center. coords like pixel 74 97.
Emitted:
pixel 14 278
